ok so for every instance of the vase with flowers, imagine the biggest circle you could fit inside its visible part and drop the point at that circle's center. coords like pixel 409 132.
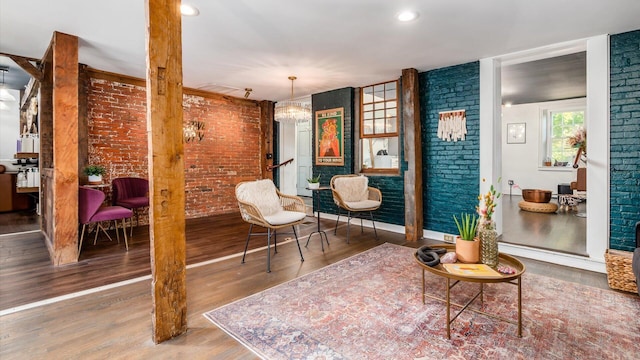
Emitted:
pixel 487 229
pixel 579 141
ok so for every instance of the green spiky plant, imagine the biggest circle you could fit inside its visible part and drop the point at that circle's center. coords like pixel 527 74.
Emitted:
pixel 467 226
pixel 314 179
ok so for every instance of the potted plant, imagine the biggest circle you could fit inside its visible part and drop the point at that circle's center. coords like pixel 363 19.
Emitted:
pixel 94 173
pixel 313 182
pixel 467 244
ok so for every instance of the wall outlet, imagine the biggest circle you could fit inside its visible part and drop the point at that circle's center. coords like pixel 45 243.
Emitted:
pixel 448 237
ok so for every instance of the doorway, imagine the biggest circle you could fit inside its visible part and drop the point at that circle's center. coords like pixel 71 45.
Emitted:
pixel 295 141
pixel 533 93
pixel 304 156
pixel 491 141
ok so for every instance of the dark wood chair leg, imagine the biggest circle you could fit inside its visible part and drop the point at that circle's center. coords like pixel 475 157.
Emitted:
pixel 298 242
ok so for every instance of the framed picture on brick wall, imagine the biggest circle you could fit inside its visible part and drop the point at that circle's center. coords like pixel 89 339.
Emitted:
pixel 330 137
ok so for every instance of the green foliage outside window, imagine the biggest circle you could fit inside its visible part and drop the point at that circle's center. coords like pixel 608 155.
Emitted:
pixel 563 126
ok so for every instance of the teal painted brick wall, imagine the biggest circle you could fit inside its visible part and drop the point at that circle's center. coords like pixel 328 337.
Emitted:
pixel 450 169
pixel 624 139
pixel 330 100
pixel 392 187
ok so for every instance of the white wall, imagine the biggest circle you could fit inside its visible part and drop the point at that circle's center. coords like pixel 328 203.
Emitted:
pixel 9 129
pixel 521 162
pixel 287 141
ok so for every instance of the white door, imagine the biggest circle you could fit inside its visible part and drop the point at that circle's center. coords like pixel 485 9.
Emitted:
pixel 303 156
pixel 288 177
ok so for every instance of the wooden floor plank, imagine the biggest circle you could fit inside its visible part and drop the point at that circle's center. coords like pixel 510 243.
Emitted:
pixel 116 323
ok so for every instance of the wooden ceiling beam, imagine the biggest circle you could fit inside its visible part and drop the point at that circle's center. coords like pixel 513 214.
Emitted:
pixel 26 65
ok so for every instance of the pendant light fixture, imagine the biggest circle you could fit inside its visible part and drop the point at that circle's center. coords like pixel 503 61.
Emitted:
pixel 4 93
pixel 290 111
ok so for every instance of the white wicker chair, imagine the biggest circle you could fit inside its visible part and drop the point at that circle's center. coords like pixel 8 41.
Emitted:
pixel 353 194
pixel 262 204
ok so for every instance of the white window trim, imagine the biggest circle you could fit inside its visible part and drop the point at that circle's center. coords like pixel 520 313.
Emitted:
pixel 544 146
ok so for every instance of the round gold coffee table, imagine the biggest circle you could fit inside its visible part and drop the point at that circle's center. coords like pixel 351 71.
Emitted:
pixel 439 270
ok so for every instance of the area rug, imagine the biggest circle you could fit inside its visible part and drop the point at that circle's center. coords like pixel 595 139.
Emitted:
pixel 369 306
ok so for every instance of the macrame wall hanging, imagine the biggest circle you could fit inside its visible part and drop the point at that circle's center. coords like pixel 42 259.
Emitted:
pixel 452 125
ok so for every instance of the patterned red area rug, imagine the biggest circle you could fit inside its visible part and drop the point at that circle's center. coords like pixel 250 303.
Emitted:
pixel 369 306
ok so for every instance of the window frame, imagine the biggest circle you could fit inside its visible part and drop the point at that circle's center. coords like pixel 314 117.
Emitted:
pixel 395 134
pixel 546 128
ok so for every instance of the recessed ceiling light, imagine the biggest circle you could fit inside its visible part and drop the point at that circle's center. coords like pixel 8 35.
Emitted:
pixel 407 15
pixel 189 10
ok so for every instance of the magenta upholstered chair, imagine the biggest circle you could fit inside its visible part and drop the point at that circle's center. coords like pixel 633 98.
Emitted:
pixel 131 193
pixel 90 210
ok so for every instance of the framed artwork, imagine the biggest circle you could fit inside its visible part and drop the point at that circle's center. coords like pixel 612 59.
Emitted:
pixel 517 133
pixel 330 137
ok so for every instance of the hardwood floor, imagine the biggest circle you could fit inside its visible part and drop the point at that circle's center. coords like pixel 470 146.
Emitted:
pixel 561 231
pixel 116 322
pixel 19 221
pixel 27 275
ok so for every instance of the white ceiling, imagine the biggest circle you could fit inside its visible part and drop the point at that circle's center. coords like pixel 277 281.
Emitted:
pixel 327 44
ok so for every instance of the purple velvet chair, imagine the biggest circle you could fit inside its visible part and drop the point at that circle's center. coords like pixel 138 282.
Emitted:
pixel 131 193
pixel 90 210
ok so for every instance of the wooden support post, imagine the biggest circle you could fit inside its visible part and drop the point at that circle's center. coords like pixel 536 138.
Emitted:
pixel 413 212
pixel 266 129
pixel 166 169
pixel 64 240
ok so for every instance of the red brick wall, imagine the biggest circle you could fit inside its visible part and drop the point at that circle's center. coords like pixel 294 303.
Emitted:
pixel 228 153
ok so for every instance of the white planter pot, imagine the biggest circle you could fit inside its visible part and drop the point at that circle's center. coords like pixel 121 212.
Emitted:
pixel 95 179
pixel 313 185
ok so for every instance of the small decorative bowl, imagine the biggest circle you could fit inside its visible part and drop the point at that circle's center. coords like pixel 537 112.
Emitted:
pixel 536 195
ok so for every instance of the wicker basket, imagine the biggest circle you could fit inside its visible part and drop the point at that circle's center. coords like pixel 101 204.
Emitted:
pixel 619 272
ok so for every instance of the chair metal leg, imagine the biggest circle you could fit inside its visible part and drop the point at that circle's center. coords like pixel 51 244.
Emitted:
pixel 298 242
pixel 135 213
pixel 338 219
pixel 98 228
pixel 268 250
pixel 115 225
pixel 247 243
pixel 348 224
pixel 374 224
pixel 124 231
pixel 275 242
pixel 95 239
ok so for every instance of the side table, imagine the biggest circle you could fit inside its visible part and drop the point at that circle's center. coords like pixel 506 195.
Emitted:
pixel 316 199
pixel 439 270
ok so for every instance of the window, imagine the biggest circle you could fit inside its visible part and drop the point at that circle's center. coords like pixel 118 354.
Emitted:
pixel 379 147
pixel 558 124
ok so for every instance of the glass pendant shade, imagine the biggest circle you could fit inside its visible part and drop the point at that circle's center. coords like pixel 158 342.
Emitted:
pixel 290 111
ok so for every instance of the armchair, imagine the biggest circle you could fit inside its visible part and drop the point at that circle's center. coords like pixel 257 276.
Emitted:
pixel 262 204
pixel 353 194
pixel 131 193
pixel 90 210
pixel 581 180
